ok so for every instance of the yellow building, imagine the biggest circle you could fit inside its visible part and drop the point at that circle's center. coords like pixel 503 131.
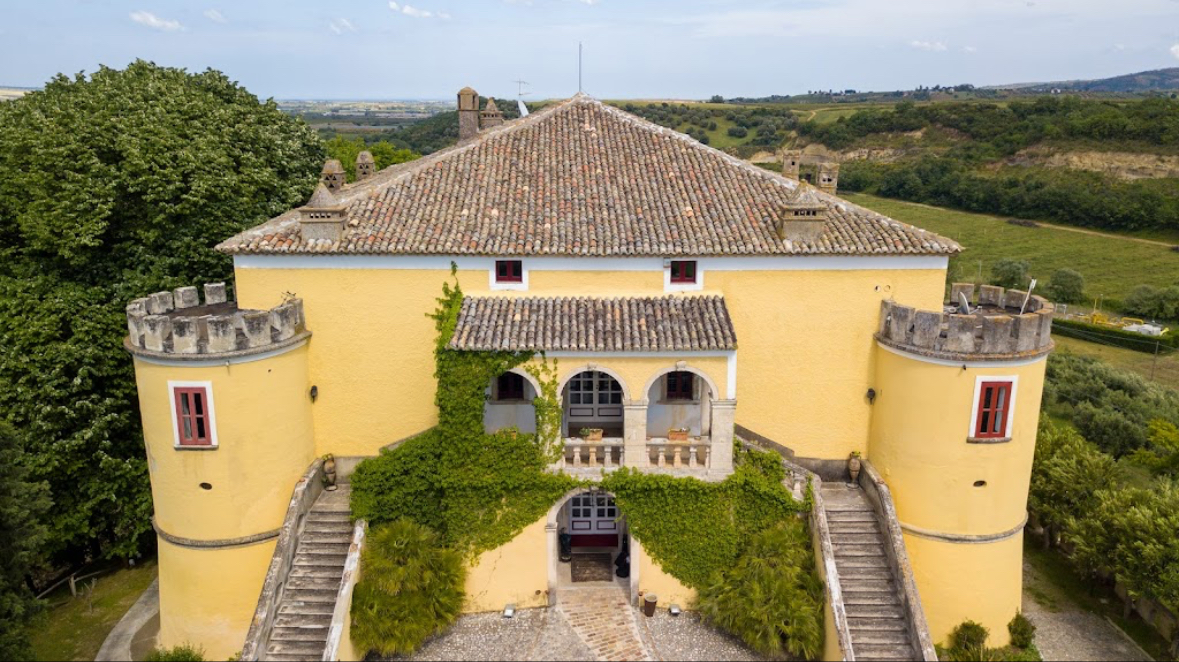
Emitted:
pixel 685 293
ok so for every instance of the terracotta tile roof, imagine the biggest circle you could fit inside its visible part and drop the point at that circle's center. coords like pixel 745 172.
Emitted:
pixel 581 178
pixel 645 324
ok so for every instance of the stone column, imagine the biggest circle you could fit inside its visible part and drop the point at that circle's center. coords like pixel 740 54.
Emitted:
pixel 634 435
pixel 723 415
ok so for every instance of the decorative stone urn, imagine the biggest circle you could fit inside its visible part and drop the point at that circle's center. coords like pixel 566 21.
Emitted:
pixel 329 472
pixel 854 466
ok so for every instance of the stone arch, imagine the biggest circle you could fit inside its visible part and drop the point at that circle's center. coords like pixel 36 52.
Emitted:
pixel 683 367
pixel 521 415
pixel 577 370
pixel 551 525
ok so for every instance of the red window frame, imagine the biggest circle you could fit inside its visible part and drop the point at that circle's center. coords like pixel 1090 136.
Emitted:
pixel 509 386
pixel 509 271
pixel 681 385
pixel 994 405
pixel 683 271
pixel 193 422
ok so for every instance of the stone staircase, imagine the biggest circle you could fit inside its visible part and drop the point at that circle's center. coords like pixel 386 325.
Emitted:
pixel 880 628
pixel 301 623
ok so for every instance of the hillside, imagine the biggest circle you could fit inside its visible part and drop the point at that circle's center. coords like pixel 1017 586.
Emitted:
pixel 1137 83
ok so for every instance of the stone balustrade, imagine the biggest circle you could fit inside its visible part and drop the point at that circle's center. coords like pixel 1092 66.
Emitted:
pixel 994 329
pixel 606 454
pixel 694 454
pixel 177 323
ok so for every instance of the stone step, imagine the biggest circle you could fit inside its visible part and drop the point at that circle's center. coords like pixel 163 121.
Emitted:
pixel 341 537
pixel 298 658
pixel 851 598
pixel 316 572
pixel 875 562
pixel 329 516
pixel 331 560
pixel 851 516
pixel 874 611
pixel 878 584
pixel 857 550
pixel 284 649
pixel 313 635
pixel 310 596
pixel 846 528
pixel 880 638
pixel 323 548
pixel 309 622
pixel 860 624
pixel 294 607
pixel 313 584
pixel 847 507
pixel 342 529
pixel 857 539
pixel 883 652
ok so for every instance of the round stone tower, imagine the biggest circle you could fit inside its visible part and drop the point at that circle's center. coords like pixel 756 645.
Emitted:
pixel 957 402
pixel 223 394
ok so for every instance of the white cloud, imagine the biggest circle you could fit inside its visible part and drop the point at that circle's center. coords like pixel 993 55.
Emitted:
pixel 969 49
pixel 444 16
pixel 341 25
pixel 1175 51
pixel 932 46
pixel 155 22
pixel 416 12
pixel 215 16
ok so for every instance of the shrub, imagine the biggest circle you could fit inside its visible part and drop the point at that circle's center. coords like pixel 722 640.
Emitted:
pixel 772 598
pixel 1067 286
pixel 182 653
pixel 410 588
pixel 969 636
pixel 738 131
pixel 1010 273
pixel 1022 631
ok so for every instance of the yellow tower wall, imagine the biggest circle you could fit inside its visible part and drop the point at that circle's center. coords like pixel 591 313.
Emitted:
pixel 209 582
pixel 964 541
pixel 805 351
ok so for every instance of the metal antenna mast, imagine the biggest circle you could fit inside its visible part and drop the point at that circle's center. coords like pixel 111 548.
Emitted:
pixel 520 87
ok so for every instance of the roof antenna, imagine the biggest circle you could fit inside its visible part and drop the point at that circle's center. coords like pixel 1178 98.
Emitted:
pixel 579 67
pixel 520 97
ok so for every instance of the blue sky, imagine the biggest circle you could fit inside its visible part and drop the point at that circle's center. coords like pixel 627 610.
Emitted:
pixel 376 49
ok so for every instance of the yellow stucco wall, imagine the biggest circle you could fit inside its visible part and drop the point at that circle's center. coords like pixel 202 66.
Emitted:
pixel 263 425
pixel 208 597
pixel 652 579
pixel 513 573
pixel 371 352
pixel 920 427
pixel 980 582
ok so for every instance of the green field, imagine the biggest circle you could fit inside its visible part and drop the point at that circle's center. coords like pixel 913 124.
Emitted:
pixel 70 629
pixel 1112 265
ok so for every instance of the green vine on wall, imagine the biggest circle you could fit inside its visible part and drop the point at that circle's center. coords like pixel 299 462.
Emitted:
pixel 547 404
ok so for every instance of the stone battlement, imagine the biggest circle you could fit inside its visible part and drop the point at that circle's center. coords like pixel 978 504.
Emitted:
pixel 994 329
pixel 177 323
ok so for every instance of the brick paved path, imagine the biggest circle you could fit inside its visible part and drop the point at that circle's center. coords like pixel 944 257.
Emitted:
pixel 605 621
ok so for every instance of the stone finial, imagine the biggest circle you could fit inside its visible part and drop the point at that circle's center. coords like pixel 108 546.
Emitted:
pixel 365 165
pixel 828 177
pixel 791 163
pixel 160 303
pixel 491 116
pixel 215 293
pixel 803 218
pixel 468 110
pixel 322 218
pixel 186 297
pixel 255 325
pixel 333 175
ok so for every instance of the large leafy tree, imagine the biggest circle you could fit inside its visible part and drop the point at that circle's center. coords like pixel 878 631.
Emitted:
pixel 113 186
pixel 21 506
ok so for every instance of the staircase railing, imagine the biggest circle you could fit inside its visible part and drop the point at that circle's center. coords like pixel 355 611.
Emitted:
pixel 306 491
pixel 881 499
pixel 339 644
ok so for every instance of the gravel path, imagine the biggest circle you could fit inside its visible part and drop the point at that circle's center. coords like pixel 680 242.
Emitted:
pixel 1066 632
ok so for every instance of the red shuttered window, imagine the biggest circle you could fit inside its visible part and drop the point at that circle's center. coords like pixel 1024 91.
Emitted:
pixel 509 271
pixel 994 404
pixel 683 271
pixel 680 386
pixel 193 423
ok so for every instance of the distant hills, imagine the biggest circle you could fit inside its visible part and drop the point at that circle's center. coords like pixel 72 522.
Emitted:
pixel 1158 80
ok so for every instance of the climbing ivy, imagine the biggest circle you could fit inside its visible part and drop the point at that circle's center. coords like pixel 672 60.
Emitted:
pixel 548 410
pixel 476 490
pixel 696 529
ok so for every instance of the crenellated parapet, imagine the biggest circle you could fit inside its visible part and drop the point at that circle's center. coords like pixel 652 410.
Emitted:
pixel 993 329
pixel 178 325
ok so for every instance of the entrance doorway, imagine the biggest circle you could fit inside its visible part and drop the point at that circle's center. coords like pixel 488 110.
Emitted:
pixel 593 520
pixel 593 399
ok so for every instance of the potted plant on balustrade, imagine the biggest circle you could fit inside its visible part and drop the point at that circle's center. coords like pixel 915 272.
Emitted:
pixel 591 434
pixel 679 435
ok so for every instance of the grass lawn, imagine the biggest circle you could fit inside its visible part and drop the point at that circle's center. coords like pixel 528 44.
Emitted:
pixel 69 630
pixel 1111 265
pixel 1165 371
pixel 1054 585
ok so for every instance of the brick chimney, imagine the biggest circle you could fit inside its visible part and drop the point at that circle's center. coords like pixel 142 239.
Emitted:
pixel 828 177
pixel 365 166
pixel 468 110
pixel 802 219
pixel 333 176
pixel 322 218
pixel 490 116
